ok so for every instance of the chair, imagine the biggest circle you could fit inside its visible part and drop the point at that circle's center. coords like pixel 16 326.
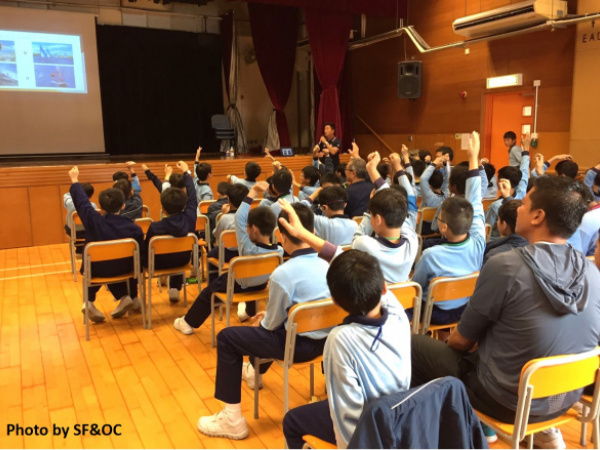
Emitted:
pixel 144 223
pixel 204 205
pixel 227 239
pixel 486 202
pixel 587 401
pixel 426 214
pixel 255 203
pixel 443 289
pixel 419 201
pixel 346 247
pixel 409 295
pixel 222 127
pixel 108 251
pixel 163 245
pixel 358 219
pixel 488 232
pixel 546 377
pixel 145 211
pixel 302 318
pixel 314 442
pixel 73 222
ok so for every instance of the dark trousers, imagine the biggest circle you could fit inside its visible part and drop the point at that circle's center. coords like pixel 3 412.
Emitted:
pixel 176 282
pixel 214 253
pixel 233 343
pixel 118 290
pixel 200 310
pixel 314 419
pixel 110 269
pixel 440 316
pixel 433 359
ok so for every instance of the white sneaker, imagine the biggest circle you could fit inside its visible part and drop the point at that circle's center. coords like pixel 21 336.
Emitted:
pixel 248 376
pixel 220 425
pixel 94 315
pixel 181 325
pixel 241 312
pixel 136 307
pixel 124 305
pixel 173 295
pixel 550 438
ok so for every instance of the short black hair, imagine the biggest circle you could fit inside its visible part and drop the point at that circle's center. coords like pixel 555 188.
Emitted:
pixel 111 200
pixel 334 197
pixel 458 179
pixel 424 154
pixel 446 151
pixel 176 180
pixel 203 170
pixel 355 282
pixel 331 124
pixel 567 168
pixel 383 169
pixel 510 135
pixel 359 167
pixel 564 202
pixel 282 181
pixel 391 205
pixel 222 188
pixel 264 219
pixel 173 200
pixel 312 174
pixel 508 213
pixel 512 174
pixel 457 213
pixel 490 171
pixel 436 180
pixel 307 219
pixel 419 167
pixel 236 193
pixel 330 178
pixel 341 169
pixel 125 186
pixel 252 171
pixel 120 175
pixel 88 189
pixel 597 179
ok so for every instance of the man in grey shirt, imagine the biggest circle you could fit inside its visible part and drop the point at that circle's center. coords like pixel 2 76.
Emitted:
pixel 532 302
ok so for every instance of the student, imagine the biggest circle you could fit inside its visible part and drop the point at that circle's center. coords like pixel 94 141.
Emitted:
pixel 490 172
pixel 425 156
pixel 309 182
pixel 300 279
pixel 135 181
pixel 565 167
pixel 134 206
pixel 586 236
pixel 359 187
pixel 341 173
pixel 280 187
pixel 202 172
pixel 461 222
pixel 432 181
pixel 514 151
pixel 171 179
pixel 592 180
pixel 523 308
pixel 365 358
pixel 70 206
pixel 329 145
pixel 180 208
pixel 384 170
pixel 105 227
pixel 215 208
pixel 252 171
pixel 330 179
pixel 507 221
pixel 254 230
pixel 418 166
pixel 333 226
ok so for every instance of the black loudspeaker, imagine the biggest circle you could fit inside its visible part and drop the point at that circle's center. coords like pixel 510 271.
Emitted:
pixel 409 79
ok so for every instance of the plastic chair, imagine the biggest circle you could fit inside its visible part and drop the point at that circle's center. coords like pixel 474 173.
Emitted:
pixel 486 202
pixel 255 203
pixel 409 295
pixel 204 205
pixel 227 239
pixel 443 289
pixel 244 267
pixel 108 251
pixel 144 223
pixel 547 377
pixel 302 318
pixel 163 245
pixel 358 219
pixel 426 214
pixel 73 223
pixel 587 402
pixel 314 442
pixel 145 211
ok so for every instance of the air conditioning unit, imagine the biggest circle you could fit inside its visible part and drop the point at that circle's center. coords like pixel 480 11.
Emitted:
pixel 510 18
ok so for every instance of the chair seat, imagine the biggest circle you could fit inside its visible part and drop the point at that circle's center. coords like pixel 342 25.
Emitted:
pixel 508 428
pixel 108 280
pixel 164 272
pixel 244 296
pixel 433 327
pixel 316 443
pixel 215 262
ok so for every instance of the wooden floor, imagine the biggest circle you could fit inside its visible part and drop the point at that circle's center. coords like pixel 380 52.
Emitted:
pixel 154 383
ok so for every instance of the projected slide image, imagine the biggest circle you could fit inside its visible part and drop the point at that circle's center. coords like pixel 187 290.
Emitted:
pixel 49 53
pixel 54 76
pixel 8 75
pixel 7 51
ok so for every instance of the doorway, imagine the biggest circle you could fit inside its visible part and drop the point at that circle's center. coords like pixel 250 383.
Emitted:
pixel 506 111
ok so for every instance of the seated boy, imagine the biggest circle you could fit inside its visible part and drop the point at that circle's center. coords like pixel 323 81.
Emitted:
pixel 309 182
pixel 490 172
pixel 432 181
pixel 171 179
pixel 333 226
pixel 300 279
pixel 565 167
pixel 106 227
pixel 514 151
pixel 365 358
pixel 461 221
pixel 202 171
pixel 280 187
pixel 592 180
pixel 252 171
pixel 586 236
pixel 217 207
pixel 134 206
pixel 135 181
pixel 180 209
pixel 68 202
pixel 254 230
pixel 507 221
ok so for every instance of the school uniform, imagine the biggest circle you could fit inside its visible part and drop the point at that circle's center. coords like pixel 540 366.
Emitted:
pixel 585 237
pixel 249 184
pixel 225 223
pixel 276 207
pixel 429 197
pixel 79 229
pixel 590 177
pixel 301 279
pixel 455 259
pixel 214 210
pixel 492 188
pixel 106 228
pixel 307 191
pixel 134 207
pixel 338 230
pixel 515 156
pixel 203 190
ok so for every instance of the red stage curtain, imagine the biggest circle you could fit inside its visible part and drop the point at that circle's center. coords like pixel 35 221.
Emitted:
pixel 328 36
pixel 274 34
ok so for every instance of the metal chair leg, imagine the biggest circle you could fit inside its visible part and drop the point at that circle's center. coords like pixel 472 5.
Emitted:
pixel 149 321
pixel 256 390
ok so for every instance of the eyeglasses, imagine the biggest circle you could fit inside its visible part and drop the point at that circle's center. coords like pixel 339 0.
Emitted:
pixel 440 220
pixel 348 170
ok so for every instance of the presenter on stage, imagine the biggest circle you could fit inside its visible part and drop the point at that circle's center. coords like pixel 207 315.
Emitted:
pixel 329 145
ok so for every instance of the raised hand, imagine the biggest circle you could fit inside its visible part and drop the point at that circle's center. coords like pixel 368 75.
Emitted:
pixel 144 167
pixel 526 141
pixel 504 187
pixel 198 153
pixel 474 145
pixel 225 208
pixel 355 151
pixel 168 171
pixel 374 159
pixel 183 166
pixel 260 186
pixel 74 174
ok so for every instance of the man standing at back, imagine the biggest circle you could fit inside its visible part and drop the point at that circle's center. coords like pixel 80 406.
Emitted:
pixel 532 302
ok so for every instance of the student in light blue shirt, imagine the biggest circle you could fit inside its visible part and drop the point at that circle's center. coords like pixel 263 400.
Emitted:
pixel 461 221
pixel 432 181
pixel 514 151
pixel 300 279
pixel 252 171
pixel 202 172
pixel 492 186
pixel 592 180
pixel 309 182
pixel 564 167
pixel 281 186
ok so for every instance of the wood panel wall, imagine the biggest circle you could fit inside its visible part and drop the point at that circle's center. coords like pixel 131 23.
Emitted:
pixel 32 205
pixel 546 56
